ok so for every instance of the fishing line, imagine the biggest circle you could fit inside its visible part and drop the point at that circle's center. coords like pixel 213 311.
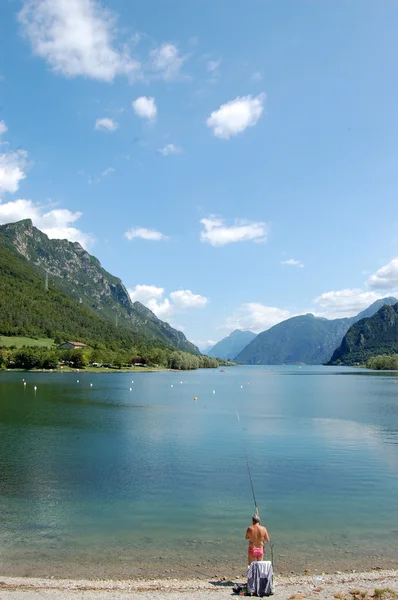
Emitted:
pixel 248 469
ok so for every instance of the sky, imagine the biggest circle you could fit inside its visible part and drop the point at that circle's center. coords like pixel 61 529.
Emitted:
pixel 235 162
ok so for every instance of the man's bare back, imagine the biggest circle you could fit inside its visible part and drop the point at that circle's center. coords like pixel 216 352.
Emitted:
pixel 257 535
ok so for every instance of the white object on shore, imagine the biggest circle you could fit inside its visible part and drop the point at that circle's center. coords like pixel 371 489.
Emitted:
pixel 24 382
pixel 35 388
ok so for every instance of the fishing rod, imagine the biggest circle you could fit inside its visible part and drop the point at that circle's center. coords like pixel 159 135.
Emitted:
pixel 248 469
pixel 252 486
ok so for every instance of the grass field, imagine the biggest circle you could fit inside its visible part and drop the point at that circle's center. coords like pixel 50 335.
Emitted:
pixel 6 341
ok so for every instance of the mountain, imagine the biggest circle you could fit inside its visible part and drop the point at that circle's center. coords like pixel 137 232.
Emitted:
pixel 369 337
pixel 231 345
pixel 27 309
pixel 72 270
pixel 303 339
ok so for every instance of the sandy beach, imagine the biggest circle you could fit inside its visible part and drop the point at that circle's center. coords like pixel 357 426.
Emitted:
pixel 377 584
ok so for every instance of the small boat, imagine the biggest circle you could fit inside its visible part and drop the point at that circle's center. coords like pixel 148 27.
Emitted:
pixel 222 371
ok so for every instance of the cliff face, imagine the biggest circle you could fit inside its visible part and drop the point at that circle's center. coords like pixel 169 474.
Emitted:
pixel 80 275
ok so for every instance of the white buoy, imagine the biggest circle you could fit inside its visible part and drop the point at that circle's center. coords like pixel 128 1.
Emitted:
pixel 180 381
pixel 77 381
pixel 172 385
pixel 241 387
pixel 214 391
pixel 91 385
pixel 132 382
pixel 131 389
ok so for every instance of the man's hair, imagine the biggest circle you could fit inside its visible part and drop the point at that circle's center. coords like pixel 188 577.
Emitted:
pixel 256 519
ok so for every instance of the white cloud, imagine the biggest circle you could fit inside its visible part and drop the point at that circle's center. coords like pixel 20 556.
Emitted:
pixel 76 38
pixel 212 65
pixel 145 108
pixel 255 317
pixel 386 277
pixel 145 293
pixel 170 149
pixel 56 223
pixel 235 116
pixel 106 124
pixel 292 262
pixel 183 299
pixel 164 308
pixel 107 171
pixel 3 127
pixel 345 303
pixel 12 165
pixel 216 233
pixel 145 234
pixel 167 62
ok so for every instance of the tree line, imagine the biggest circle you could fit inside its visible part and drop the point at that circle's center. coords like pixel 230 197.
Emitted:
pixel 382 362
pixel 37 357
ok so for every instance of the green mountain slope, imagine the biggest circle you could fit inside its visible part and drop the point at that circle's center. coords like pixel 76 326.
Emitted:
pixel 231 345
pixel 303 339
pixel 26 309
pixel 369 337
pixel 79 275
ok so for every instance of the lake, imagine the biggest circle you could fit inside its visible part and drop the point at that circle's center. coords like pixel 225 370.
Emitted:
pixel 108 481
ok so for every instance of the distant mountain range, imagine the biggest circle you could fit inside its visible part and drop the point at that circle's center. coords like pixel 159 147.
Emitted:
pixel 231 345
pixel 303 339
pixel 79 279
pixel 369 337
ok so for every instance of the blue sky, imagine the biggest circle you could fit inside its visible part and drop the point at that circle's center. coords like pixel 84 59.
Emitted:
pixel 235 163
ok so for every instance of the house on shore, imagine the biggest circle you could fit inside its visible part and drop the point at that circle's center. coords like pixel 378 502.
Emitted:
pixel 72 346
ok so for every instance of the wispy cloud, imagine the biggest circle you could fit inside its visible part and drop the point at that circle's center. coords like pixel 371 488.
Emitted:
pixel 76 38
pixel 106 124
pixel 256 76
pixel 236 116
pixel 216 233
pixel 12 166
pixel 292 262
pixel 145 234
pixel 255 317
pixel 3 127
pixel 170 149
pixel 213 65
pixel 345 303
pixel 166 62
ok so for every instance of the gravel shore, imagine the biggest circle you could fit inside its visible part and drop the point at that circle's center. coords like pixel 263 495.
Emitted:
pixel 343 586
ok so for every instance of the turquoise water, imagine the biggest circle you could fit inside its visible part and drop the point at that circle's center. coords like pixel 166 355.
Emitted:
pixel 104 481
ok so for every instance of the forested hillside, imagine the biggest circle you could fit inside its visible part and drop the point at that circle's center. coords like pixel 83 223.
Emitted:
pixel 80 275
pixel 370 337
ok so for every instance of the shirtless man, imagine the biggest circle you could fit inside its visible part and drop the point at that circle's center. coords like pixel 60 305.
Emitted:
pixel 256 534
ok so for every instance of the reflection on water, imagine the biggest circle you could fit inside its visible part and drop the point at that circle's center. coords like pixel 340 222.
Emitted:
pixel 91 477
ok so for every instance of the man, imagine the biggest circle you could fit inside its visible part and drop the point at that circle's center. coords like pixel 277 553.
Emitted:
pixel 256 534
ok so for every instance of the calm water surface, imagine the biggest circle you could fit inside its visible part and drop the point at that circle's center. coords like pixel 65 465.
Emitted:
pixel 104 481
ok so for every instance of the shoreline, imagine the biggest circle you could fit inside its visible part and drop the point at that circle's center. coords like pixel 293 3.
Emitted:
pixel 340 585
